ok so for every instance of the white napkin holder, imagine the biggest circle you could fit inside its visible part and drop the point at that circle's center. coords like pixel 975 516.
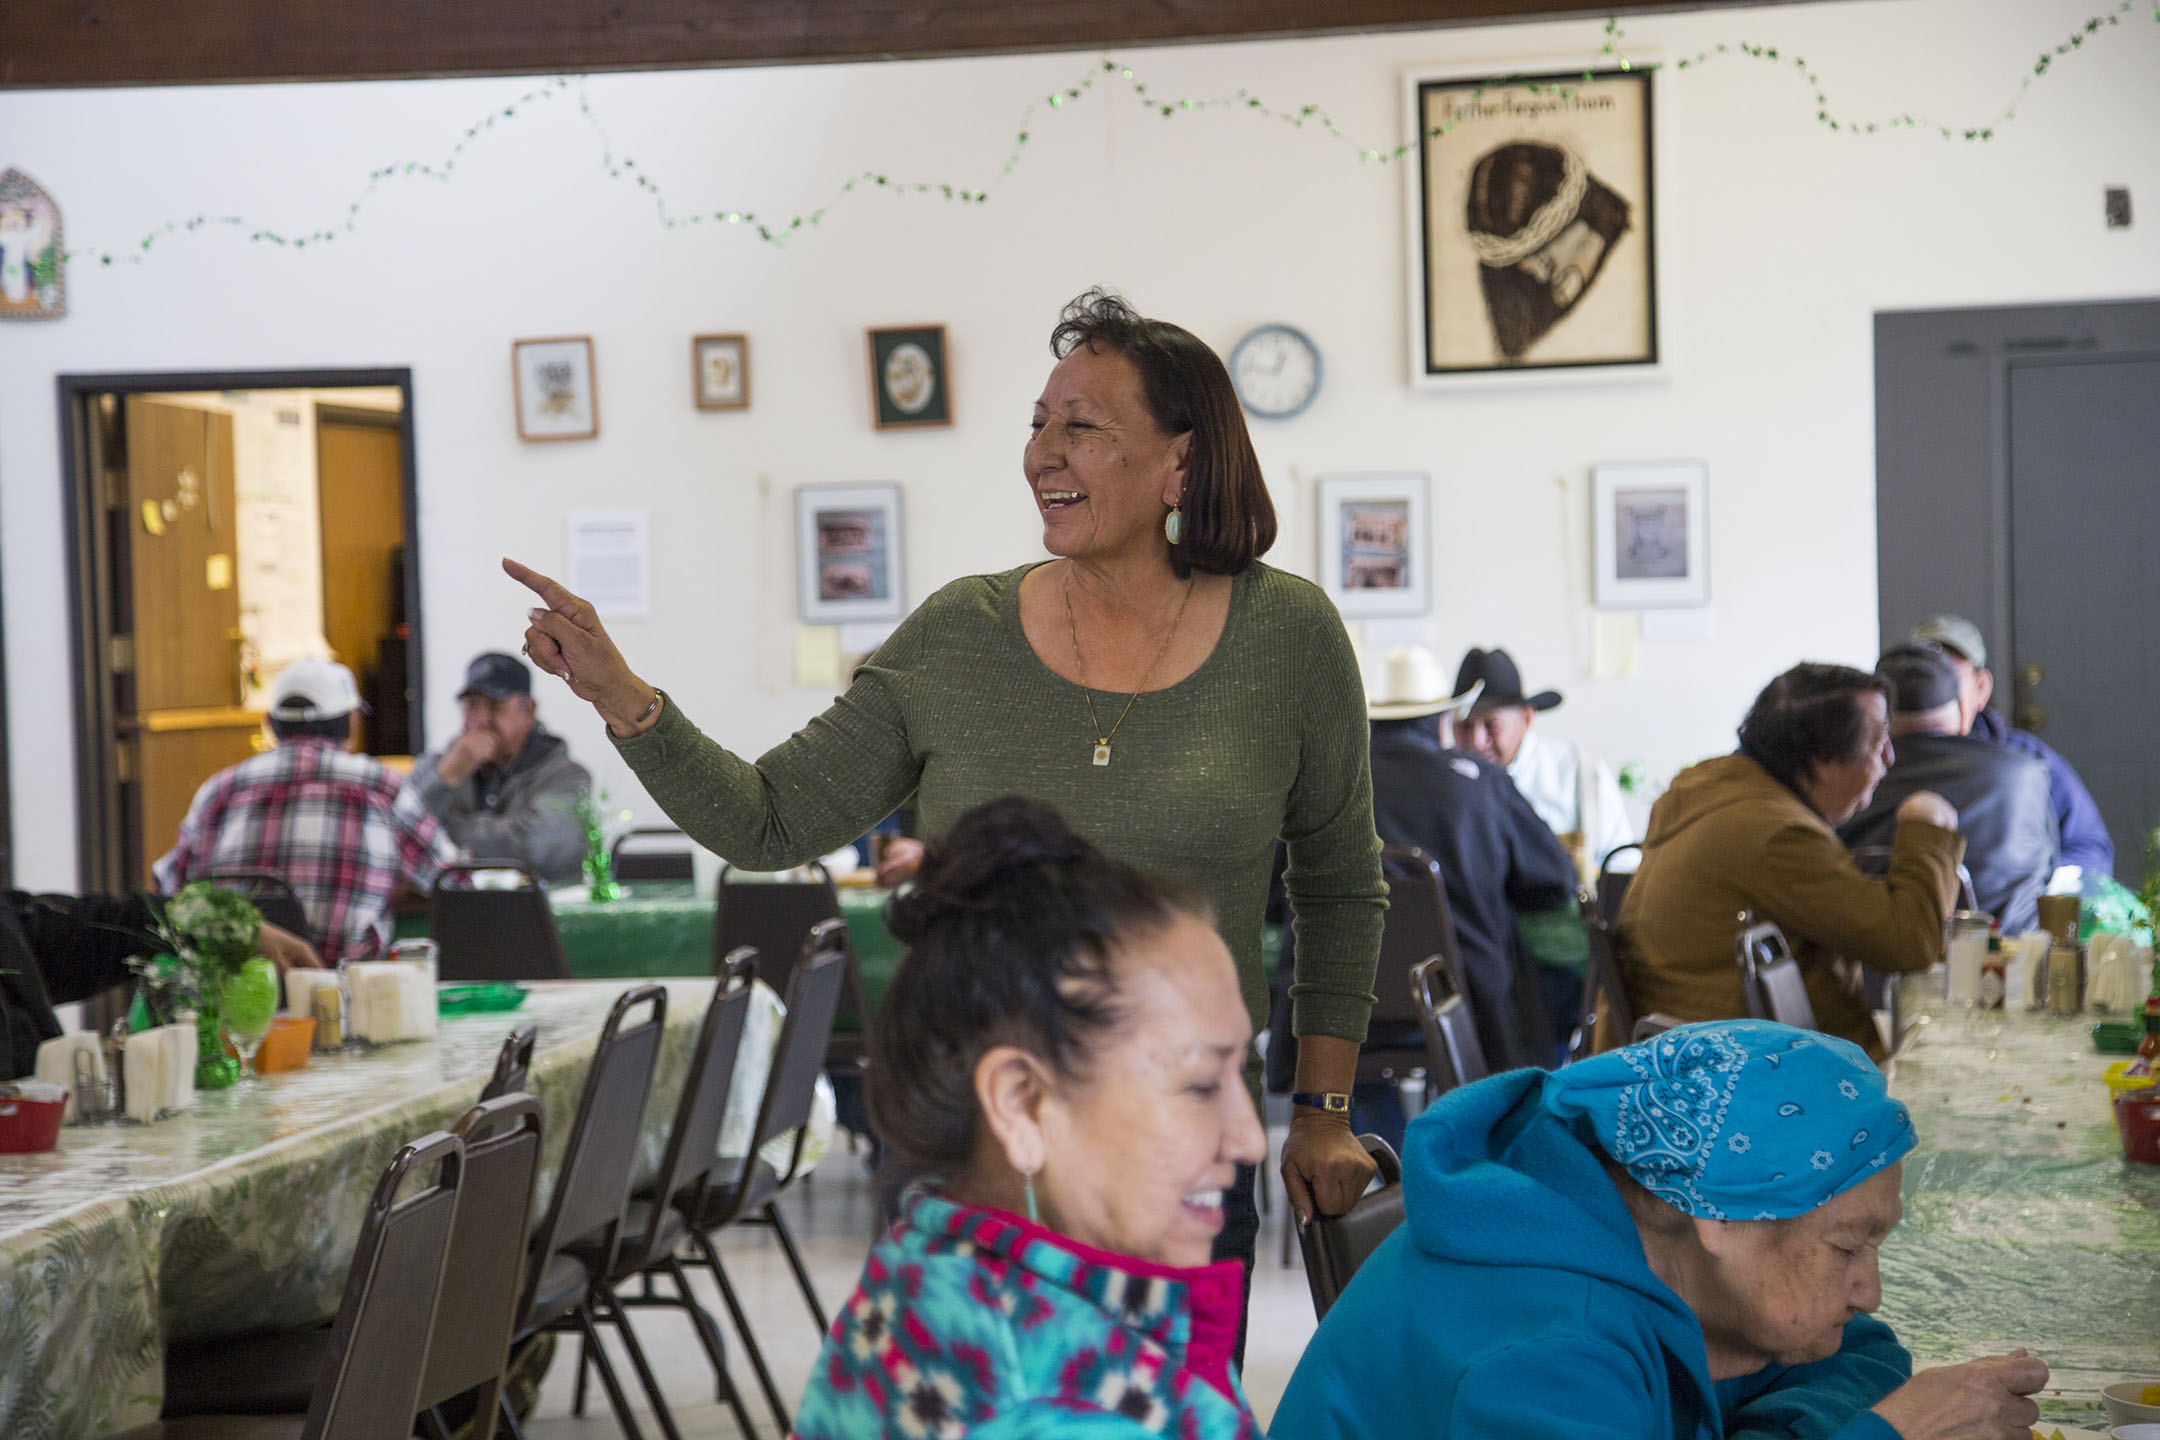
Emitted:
pixel 2108 981
pixel 56 1065
pixel 158 1070
pixel 391 1001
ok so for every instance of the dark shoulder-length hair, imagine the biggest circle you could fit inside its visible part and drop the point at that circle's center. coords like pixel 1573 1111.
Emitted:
pixel 1011 925
pixel 1229 521
pixel 1811 714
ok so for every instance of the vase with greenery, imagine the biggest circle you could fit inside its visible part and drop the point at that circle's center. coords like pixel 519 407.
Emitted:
pixel 203 939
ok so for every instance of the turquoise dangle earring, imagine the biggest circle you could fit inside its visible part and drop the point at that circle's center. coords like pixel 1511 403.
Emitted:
pixel 1027 1183
pixel 1173 525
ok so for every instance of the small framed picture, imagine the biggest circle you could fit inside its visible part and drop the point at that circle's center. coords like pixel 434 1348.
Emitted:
pixel 909 385
pixel 720 371
pixel 1376 545
pixel 1650 529
pixel 556 399
pixel 849 553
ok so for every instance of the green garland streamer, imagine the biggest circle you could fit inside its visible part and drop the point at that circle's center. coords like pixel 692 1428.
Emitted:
pixel 1108 70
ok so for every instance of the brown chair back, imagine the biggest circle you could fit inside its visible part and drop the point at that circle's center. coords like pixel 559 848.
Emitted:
pixel 694 1138
pixel 484 1268
pixel 1612 881
pixel 513 1063
pixel 1336 1245
pixel 272 894
pixel 1770 978
pixel 1604 994
pixel 651 852
pixel 1454 1056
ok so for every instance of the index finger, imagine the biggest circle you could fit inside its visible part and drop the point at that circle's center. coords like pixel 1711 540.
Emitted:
pixel 554 592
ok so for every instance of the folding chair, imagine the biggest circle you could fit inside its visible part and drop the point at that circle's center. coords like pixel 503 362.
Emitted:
pixel 494 934
pixel 1621 863
pixel 651 852
pixel 1335 1246
pixel 513 1063
pixel 1604 994
pixel 1451 1044
pixel 575 1246
pixel 1418 927
pixel 748 1198
pixel 367 1381
pixel 1652 1025
pixel 653 1225
pixel 1770 978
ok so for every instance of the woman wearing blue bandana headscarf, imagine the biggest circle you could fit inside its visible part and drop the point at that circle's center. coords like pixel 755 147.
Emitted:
pixel 1677 1238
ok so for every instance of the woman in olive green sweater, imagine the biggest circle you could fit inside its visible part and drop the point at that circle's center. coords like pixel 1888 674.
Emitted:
pixel 1180 704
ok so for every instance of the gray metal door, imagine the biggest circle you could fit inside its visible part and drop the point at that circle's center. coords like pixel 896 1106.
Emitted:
pixel 2084 668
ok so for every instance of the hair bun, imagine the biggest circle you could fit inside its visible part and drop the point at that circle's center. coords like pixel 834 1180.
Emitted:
pixel 985 865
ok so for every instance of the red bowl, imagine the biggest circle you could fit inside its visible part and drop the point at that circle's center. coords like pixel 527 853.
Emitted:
pixel 2137 1116
pixel 27 1126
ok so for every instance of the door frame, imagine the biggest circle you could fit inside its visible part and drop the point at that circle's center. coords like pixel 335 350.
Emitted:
pixel 89 561
pixel 1942 429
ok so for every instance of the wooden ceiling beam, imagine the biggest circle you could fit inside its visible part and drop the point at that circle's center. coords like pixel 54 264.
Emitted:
pixel 68 43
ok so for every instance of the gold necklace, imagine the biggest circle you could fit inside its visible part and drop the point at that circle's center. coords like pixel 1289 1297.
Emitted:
pixel 1102 741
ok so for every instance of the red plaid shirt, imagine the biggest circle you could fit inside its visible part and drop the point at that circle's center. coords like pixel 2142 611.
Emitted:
pixel 342 829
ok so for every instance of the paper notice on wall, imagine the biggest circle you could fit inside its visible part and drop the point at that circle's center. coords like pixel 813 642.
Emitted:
pixel 1612 642
pixel 610 562
pixel 817 657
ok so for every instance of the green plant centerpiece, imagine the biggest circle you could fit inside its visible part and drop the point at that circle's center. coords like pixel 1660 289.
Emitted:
pixel 206 942
pixel 600 883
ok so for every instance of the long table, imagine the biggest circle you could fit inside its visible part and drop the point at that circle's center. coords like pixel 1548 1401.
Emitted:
pixel 2024 1226
pixel 242 1212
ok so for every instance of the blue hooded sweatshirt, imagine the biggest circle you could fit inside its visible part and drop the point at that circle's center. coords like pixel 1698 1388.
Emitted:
pixel 1515 1302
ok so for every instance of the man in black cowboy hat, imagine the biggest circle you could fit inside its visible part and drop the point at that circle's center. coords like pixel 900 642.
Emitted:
pixel 1579 799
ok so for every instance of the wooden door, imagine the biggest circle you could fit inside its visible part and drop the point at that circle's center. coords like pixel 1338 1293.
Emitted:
pixel 177 716
pixel 363 525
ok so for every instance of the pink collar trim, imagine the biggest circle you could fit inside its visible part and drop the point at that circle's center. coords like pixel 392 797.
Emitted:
pixel 1214 1294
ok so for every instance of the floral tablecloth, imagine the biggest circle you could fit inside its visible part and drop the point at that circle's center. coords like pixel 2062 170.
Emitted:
pixel 2024 1226
pixel 241 1213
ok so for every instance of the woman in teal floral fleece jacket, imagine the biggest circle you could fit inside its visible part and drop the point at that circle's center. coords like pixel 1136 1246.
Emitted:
pixel 1059 1065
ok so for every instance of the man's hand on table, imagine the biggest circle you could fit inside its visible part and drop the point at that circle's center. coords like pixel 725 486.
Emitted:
pixel 1928 808
pixel 1978 1400
pixel 286 950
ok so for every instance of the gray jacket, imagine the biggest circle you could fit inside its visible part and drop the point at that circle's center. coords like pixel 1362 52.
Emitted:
pixel 524 811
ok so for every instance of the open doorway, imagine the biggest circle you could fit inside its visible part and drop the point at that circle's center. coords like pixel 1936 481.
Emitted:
pixel 220 526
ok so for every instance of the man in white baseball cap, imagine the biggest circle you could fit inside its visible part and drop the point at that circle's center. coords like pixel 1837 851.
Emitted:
pixel 344 830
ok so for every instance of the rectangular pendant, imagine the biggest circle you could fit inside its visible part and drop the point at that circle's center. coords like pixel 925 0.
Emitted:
pixel 1102 754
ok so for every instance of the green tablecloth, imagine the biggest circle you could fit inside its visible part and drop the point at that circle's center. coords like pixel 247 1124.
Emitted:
pixel 663 928
pixel 2023 1223
pixel 242 1212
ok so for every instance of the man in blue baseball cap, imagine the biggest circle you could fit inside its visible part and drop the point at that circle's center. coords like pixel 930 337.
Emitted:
pixel 1677 1238
pixel 506 788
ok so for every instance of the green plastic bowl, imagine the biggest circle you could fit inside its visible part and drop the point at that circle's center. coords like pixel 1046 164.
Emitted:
pixel 2118 1037
pixel 486 999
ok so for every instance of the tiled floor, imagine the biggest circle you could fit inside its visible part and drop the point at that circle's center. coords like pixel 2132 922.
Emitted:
pixel 832 1219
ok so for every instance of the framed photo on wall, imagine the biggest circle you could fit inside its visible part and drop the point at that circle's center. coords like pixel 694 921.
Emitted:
pixel 910 387
pixel 1533 228
pixel 553 379
pixel 849 553
pixel 1376 545
pixel 1650 534
pixel 720 371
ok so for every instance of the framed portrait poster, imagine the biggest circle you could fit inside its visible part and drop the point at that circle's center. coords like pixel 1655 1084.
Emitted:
pixel 1376 545
pixel 849 555
pixel 910 388
pixel 553 379
pixel 1533 228
pixel 720 371
pixel 1650 534
pixel 33 257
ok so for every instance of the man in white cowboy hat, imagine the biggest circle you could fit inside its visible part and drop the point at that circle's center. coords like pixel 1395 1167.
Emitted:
pixel 1578 797
pixel 1496 855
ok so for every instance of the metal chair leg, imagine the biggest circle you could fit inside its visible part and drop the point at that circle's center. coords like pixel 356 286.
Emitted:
pixel 795 1263
pixel 711 1259
pixel 616 1398
pixel 620 1318
pixel 509 1415
pixel 708 1332
pixel 584 1373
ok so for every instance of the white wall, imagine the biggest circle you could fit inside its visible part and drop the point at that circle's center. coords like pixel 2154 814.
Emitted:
pixel 1780 240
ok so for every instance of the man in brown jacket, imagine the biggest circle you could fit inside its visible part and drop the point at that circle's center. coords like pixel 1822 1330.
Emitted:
pixel 1752 832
